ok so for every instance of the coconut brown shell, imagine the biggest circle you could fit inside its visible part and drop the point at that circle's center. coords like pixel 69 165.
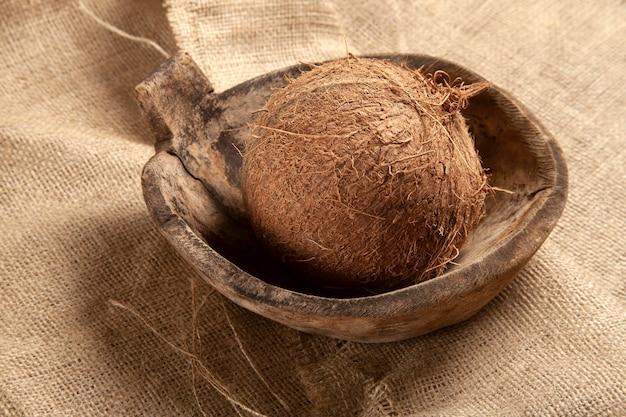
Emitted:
pixel 362 174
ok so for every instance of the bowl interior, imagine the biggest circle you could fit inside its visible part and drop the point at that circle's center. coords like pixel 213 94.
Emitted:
pixel 204 182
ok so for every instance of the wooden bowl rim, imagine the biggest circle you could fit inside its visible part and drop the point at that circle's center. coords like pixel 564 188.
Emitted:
pixel 260 296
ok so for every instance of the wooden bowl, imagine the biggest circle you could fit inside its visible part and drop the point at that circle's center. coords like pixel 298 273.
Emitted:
pixel 192 190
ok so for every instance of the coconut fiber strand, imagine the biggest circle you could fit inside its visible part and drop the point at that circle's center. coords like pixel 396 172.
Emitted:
pixel 99 316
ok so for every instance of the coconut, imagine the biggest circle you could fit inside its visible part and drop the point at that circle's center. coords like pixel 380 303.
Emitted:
pixel 361 174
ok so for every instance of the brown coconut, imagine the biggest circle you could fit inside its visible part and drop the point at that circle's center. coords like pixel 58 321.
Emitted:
pixel 362 174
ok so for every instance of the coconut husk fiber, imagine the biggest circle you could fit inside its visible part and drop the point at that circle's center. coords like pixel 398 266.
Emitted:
pixel 362 174
pixel 100 317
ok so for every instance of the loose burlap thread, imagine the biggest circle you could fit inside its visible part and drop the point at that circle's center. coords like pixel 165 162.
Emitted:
pixel 99 316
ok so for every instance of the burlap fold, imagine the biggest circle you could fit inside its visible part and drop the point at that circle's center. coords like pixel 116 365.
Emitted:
pixel 99 316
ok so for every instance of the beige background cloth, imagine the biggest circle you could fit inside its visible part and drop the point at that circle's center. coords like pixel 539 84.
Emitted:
pixel 98 315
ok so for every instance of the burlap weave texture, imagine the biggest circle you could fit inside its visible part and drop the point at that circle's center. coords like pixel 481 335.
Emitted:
pixel 99 316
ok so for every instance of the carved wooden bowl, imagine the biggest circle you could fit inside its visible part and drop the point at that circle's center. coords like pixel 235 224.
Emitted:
pixel 192 190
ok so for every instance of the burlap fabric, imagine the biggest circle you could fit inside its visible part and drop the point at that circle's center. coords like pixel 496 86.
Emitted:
pixel 98 316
